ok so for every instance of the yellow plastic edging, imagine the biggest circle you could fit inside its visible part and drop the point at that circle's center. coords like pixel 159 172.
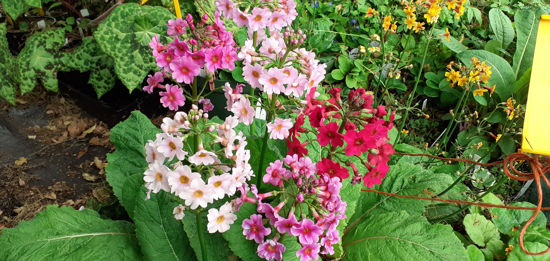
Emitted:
pixel 536 127
pixel 177 7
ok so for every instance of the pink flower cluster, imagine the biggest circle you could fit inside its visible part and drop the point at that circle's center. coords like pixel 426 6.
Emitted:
pixel 267 13
pixel 352 128
pixel 200 177
pixel 320 194
pixel 194 46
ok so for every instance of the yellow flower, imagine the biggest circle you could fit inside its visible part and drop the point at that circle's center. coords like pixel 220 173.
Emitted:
pixel 433 13
pixel 451 4
pixel 387 22
pixel 410 22
pixel 452 76
pixel 409 10
pixel 373 49
pixel 498 137
pixel 462 81
pixel 447 35
pixel 404 131
pixel 479 92
pixel 370 13
pixel 492 90
pixel 394 27
pixel 362 49
pixel 479 145
pixel 474 76
pixel 419 26
pixel 509 249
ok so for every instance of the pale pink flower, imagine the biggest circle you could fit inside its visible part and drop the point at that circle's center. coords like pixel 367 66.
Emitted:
pixel 242 110
pixel 272 81
pixel 231 95
pixel 247 51
pixel 229 56
pixel 278 21
pixel 297 87
pixel 169 126
pixel 156 177
pixel 279 129
pixel 226 7
pixel 219 185
pixel 179 212
pixel 196 195
pixel 240 18
pixel 259 18
pixel 220 220
pixel 152 154
pixel 184 69
pixel 206 104
pixel 203 157
pixel 172 98
pixel 176 27
pixel 252 74
pixel 180 179
pixel 172 146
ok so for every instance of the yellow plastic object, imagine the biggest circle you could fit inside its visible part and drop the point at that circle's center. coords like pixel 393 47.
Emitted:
pixel 177 7
pixel 144 2
pixel 536 127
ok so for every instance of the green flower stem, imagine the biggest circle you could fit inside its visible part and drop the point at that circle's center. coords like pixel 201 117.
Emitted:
pixel 412 94
pixel 458 180
pixel 457 113
pixel 200 230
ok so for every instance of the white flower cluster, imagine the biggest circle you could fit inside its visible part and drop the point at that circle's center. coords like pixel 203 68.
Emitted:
pixel 204 176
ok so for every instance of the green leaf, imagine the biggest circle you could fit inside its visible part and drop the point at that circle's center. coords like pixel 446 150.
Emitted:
pixel 474 254
pixel 400 236
pixel 502 27
pixel 454 45
pixel 9 78
pixel 527 23
pixel 493 46
pixel 67 234
pixel 404 179
pixel 503 75
pixel 534 247
pixel 245 249
pixel 521 87
pixel 506 220
pixel 14 8
pixel 337 74
pixel 238 74
pixel 217 247
pixel 479 229
pixel 40 59
pixel 507 144
pixel 344 64
pixel 160 235
pixel 481 100
pixel 129 138
pixel 125 35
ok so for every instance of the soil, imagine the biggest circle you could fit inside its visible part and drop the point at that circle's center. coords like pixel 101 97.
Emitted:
pixel 51 152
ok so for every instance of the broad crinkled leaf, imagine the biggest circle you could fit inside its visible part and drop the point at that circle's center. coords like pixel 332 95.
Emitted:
pixel 129 138
pixel 63 233
pixel 160 235
pixel 14 8
pixel 400 236
pixel 474 254
pixel 503 76
pixel 217 247
pixel 453 44
pixel 403 179
pixel 506 220
pixel 8 70
pixel 502 27
pixel 527 24
pixel 479 229
pixel 89 57
pixel 125 35
pixel 518 255
pixel 40 59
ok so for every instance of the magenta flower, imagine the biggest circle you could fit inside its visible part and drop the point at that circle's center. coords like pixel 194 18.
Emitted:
pixel 180 47
pixel 307 231
pixel 172 98
pixel 213 58
pixel 156 45
pixel 198 58
pixel 285 225
pixel 271 250
pixel 356 142
pixel 332 169
pixel 275 172
pixel 165 59
pixel 308 252
pixel 229 55
pixel 153 81
pixel 329 134
pixel 184 69
pixel 176 27
pixel 206 104
pixel 253 228
pixel 376 175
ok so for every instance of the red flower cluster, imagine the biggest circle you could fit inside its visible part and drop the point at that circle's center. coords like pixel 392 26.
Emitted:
pixel 351 128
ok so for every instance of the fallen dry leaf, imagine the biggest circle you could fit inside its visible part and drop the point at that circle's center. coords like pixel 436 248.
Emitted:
pixel 50 195
pixel 21 161
pixel 82 152
pixel 101 194
pixel 88 131
pixel 99 163
pixel 31 137
pixel 89 177
pixel 21 182
pixel 75 128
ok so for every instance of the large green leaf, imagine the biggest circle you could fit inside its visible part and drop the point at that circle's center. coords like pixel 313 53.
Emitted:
pixel 245 249
pixel 14 8
pixel 507 220
pixel 479 229
pixel 518 255
pixel 503 75
pixel 67 234
pixel 217 247
pixel 453 44
pixel 527 23
pixel 89 57
pixel 129 138
pixel 41 59
pixel 404 179
pixel 125 35
pixel 502 27
pixel 400 236
pixel 160 235
pixel 9 77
